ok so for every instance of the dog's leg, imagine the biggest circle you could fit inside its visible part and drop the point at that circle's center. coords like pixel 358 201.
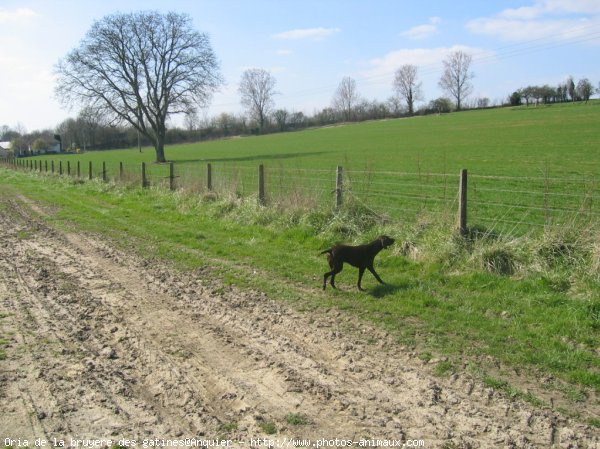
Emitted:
pixel 361 271
pixel 335 270
pixel 372 270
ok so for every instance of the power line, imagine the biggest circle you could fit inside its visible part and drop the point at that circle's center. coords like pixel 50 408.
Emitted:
pixel 544 43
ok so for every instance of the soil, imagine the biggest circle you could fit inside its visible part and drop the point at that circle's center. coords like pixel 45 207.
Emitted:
pixel 105 344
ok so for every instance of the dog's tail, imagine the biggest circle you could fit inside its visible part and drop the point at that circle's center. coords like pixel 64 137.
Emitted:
pixel 326 251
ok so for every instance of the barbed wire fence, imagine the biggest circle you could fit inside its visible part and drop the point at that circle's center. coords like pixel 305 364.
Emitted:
pixel 508 204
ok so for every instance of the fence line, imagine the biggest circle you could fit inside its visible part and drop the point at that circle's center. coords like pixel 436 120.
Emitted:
pixel 385 193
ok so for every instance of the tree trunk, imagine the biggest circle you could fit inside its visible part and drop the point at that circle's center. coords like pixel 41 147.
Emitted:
pixel 160 149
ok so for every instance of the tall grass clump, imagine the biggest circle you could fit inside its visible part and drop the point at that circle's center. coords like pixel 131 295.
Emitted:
pixel 567 256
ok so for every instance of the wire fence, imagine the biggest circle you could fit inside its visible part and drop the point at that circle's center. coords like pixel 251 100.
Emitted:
pixel 507 204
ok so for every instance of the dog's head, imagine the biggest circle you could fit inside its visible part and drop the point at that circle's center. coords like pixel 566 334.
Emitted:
pixel 385 241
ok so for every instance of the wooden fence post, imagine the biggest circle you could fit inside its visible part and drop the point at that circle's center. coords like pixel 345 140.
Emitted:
pixel 144 182
pixel 339 180
pixel 104 175
pixel 46 166
pixel 52 167
pixel 69 168
pixel 209 177
pixel 261 185
pixel 171 176
pixel 121 171
pixel 462 203
pixel 78 169
pixel 60 168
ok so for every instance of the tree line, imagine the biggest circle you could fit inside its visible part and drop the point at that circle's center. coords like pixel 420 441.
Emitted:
pixel 132 72
pixel 567 91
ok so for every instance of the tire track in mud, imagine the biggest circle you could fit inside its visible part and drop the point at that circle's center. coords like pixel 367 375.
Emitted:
pixel 106 343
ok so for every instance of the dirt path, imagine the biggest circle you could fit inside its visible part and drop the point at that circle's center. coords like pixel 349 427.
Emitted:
pixel 103 344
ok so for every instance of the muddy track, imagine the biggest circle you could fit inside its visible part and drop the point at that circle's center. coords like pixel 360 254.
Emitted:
pixel 105 344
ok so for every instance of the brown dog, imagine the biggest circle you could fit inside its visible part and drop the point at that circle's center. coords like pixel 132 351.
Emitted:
pixel 361 257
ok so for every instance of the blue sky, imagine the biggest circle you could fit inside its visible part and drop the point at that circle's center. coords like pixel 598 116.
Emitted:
pixel 309 46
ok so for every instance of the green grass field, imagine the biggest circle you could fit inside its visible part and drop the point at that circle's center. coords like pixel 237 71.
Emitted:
pixel 529 167
pixel 529 303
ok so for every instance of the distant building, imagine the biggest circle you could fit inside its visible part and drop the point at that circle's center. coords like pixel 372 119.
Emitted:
pixel 52 148
pixel 5 149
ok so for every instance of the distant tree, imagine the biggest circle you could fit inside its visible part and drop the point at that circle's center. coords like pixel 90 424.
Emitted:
pixel 395 106
pixel 297 120
pixel 7 134
pixel 39 144
pixel 562 93
pixel 515 99
pixel 571 88
pixel 483 102
pixel 407 86
pixel 225 123
pixel 441 105
pixel 281 118
pixel 69 133
pixel 89 120
pixel 4 130
pixel 526 93
pixel 192 122
pixel 257 88
pixel 377 110
pixel 346 98
pixel 585 89
pixel 325 117
pixel 139 68
pixel 18 146
pixel 456 79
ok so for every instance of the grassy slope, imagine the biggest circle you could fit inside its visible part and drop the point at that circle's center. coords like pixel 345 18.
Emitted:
pixel 514 141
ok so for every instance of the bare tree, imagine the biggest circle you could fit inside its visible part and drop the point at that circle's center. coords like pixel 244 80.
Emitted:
pixel 456 79
pixel 407 87
pixel 281 117
pixel 257 89
pixel 346 98
pixel 139 68
pixel 88 121
pixel 585 89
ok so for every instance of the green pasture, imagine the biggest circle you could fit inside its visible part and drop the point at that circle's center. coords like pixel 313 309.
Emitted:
pixel 529 167
pixel 561 139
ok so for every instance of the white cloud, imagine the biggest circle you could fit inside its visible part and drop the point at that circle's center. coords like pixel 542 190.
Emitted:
pixel 570 6
pixel 283 52
pixel 423 31
pixel 552 7
pixel 554 19
pixel 307 33
pixel 428 60
pixel 17 15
